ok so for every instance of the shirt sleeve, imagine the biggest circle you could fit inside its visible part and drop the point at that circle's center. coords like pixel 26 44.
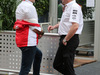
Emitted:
pixel 30 12
pixel 75 15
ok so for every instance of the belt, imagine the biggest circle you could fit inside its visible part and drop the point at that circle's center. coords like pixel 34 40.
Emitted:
pixel 62 36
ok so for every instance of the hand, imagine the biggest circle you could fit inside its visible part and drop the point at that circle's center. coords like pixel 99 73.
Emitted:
pixel 64 42
pixel 50 28
pixel 39 36
pixel 42 32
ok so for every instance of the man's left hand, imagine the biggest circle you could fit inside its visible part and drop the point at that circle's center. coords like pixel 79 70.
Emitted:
pixel 64 42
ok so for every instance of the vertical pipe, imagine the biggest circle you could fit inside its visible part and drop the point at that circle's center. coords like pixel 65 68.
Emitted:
pixel 97 32
pixel 53 12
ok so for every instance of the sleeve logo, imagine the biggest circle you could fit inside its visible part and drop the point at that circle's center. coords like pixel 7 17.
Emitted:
pixel 73 16
pixel 74 11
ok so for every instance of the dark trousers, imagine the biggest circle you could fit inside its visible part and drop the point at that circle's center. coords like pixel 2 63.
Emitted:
pixel 64 58
pixel 30 55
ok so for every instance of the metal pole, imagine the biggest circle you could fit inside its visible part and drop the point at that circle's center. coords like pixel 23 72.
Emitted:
pixel 97 31
pixel 53 12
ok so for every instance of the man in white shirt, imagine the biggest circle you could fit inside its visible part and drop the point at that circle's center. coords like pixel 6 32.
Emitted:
pixel 69 28
pixel 27 33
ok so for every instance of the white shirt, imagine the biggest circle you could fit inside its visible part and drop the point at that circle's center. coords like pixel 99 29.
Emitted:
pixel 26 11
pixel 72 13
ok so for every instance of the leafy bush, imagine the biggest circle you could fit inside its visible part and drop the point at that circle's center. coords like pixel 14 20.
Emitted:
pixel 7 13
pixel 42 7
pixel 8 8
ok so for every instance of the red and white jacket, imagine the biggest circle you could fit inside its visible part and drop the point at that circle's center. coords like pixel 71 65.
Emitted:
pixel 24 35
pixel 27 21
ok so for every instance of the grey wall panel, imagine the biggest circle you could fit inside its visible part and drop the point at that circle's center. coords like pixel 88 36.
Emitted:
pixel 87 36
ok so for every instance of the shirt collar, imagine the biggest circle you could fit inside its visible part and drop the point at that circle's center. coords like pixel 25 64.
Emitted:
pixel 70 3
pixel 28 1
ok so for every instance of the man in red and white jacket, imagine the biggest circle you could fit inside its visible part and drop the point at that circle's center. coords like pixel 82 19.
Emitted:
pixel 28 31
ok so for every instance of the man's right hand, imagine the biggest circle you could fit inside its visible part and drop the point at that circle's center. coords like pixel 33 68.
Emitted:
pixel 40 33
pixel 50 28
pixel 39 36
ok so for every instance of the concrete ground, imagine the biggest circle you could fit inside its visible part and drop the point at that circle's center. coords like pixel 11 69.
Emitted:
pixel 89 69
pixel 83 66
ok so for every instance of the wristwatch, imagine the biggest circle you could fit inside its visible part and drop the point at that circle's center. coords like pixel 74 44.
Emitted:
pixel 65 40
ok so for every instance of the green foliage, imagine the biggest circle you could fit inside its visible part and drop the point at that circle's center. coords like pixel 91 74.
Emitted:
pixel 0 24
pixel 8 8
pixel 7 13
pixel 87 11
pixel 42 7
